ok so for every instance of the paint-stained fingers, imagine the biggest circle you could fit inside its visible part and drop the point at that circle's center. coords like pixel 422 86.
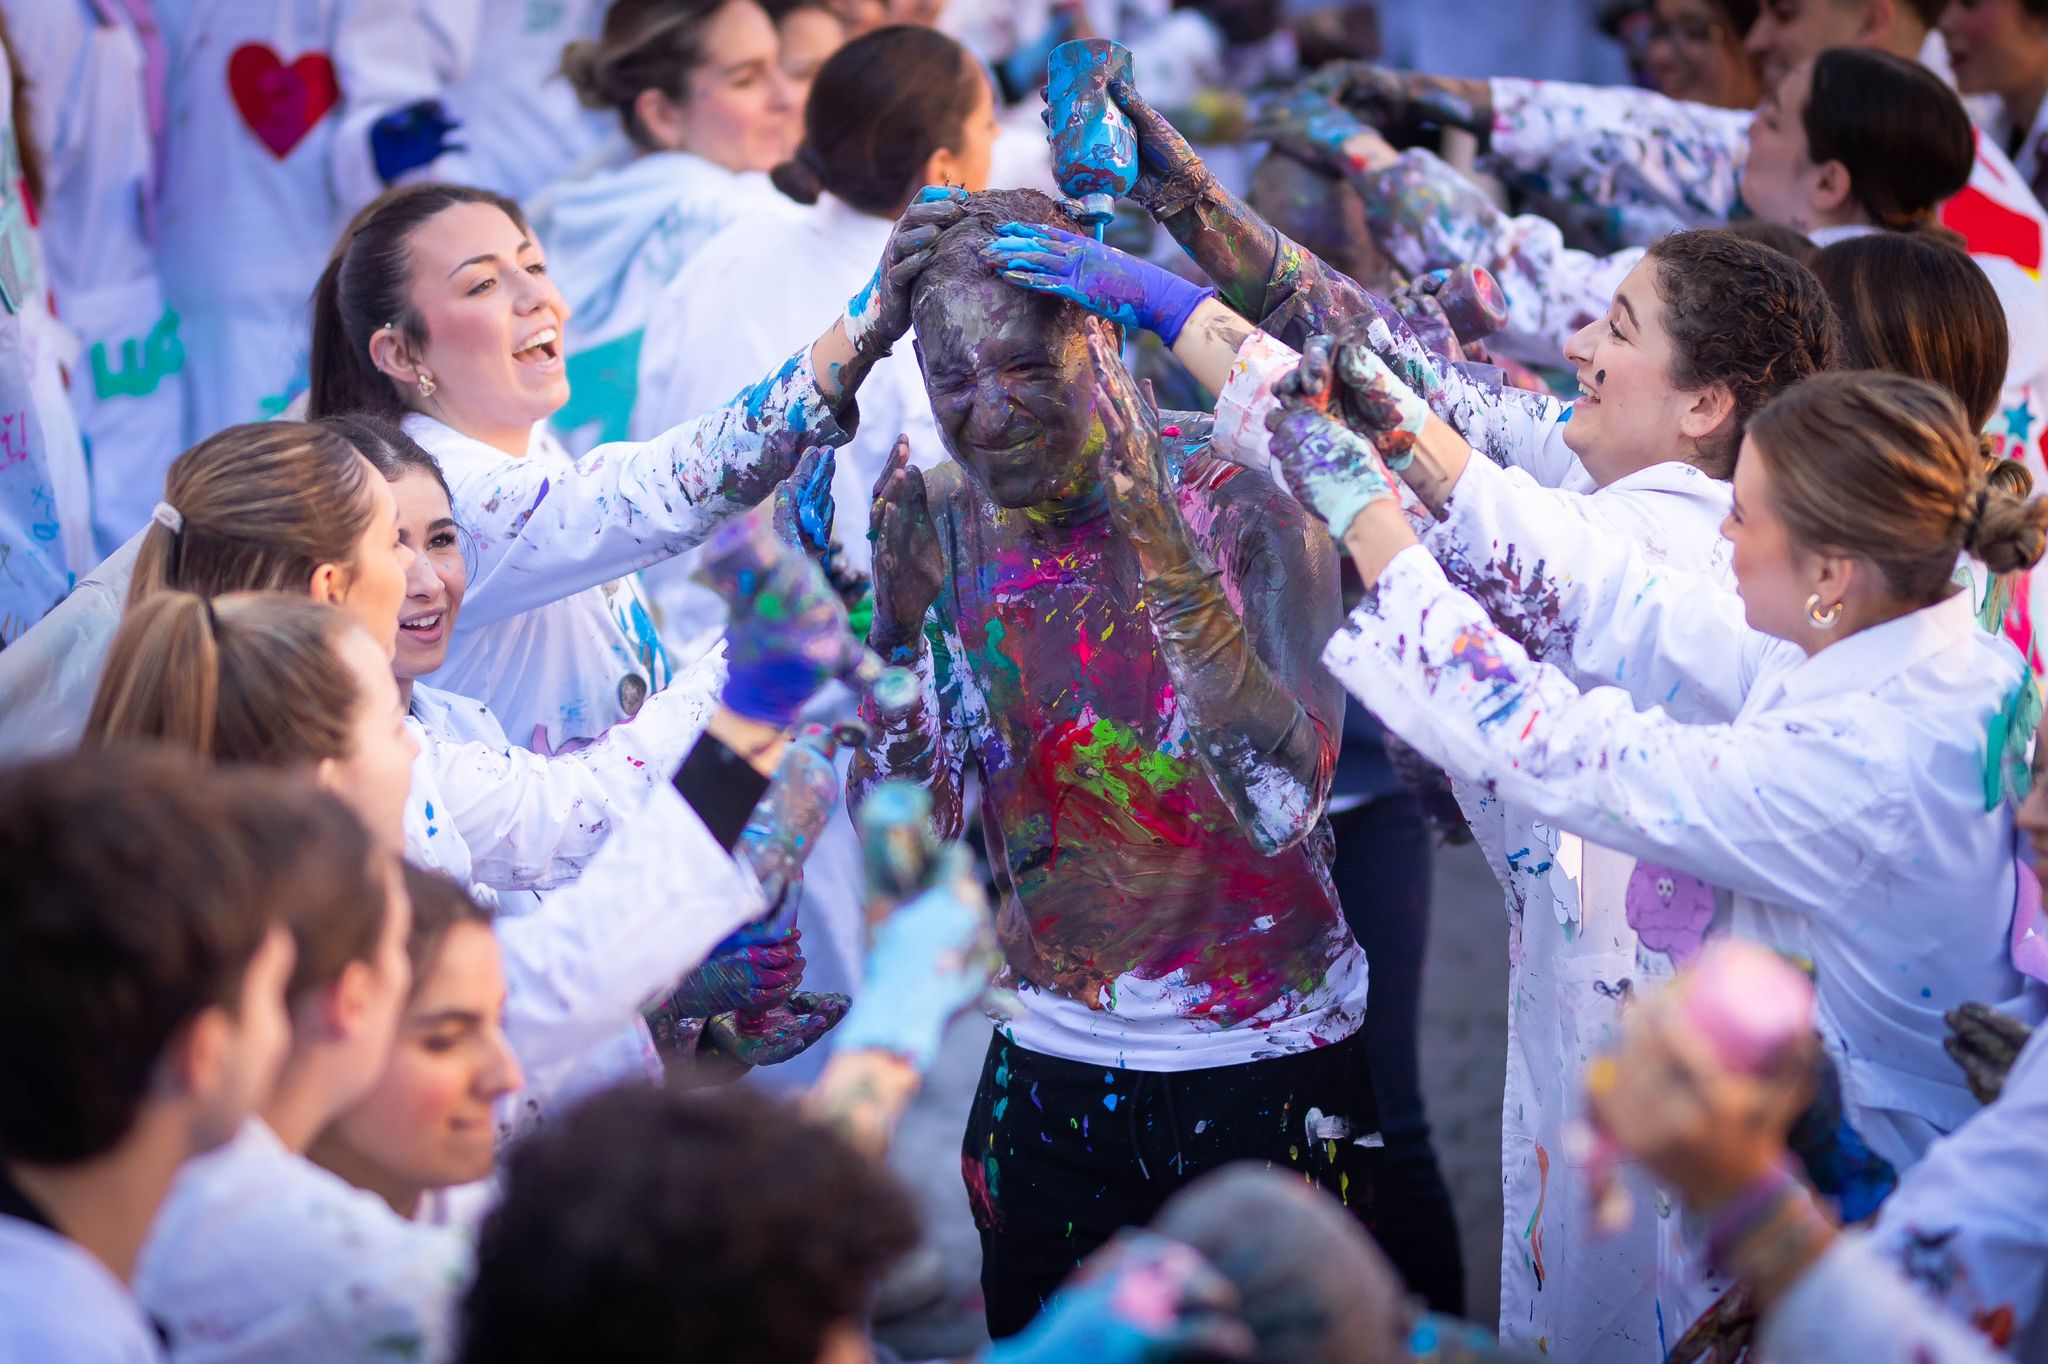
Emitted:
pixel 1012 255
pixel 899 459
pixel 1309 382
pixel 1158 140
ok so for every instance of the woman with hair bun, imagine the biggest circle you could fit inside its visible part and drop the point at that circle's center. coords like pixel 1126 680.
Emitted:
pixel 699 89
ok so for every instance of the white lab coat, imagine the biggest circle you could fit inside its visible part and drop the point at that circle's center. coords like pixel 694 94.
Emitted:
pixel 1969 1224
pixel 93 122
pixel 495 65
pixel 1840 798
pixel 1625 146
pixel 615 239
pixel 765 285
pixel 555 635
pixel 1853 1307
pixel 45 503
pixel 260 1255
pixel 57 1301
pixel 48 676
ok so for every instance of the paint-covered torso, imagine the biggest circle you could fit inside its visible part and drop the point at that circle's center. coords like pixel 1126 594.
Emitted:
pixel 1123 858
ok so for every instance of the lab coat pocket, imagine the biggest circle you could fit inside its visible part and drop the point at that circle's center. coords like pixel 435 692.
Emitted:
pixel 1591 993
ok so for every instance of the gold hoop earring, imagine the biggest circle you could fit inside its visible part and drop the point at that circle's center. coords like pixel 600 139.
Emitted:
pixel 1822 620
pixel 426 382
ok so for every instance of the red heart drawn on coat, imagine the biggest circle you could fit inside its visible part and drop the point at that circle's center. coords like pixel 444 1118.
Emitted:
pixel 280 102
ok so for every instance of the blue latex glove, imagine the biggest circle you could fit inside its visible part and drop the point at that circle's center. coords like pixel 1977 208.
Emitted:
pixel 1334 471
pixel 787 633
pixel 410 137
pixel 1100 278
pixel 1142 1299
pixel 931 961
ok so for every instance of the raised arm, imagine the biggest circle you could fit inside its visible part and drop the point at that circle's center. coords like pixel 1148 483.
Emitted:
pixel 1265 716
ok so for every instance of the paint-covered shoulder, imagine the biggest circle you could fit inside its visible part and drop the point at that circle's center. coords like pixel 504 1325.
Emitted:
pixel 947 485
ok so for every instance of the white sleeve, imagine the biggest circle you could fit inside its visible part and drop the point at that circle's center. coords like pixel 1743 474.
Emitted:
pixel 650 906
pixel 1583 596
pixel 1791 813
pixel 632 504
pixel 388 54
pixel 1426 216
pixel 1616 145
pixel 533 822
pixel 1853 1307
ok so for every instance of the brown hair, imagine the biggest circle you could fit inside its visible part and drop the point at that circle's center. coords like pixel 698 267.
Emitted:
pixel 878 109
pixel 139 886
pixel 1897 128
pixel 253 677
pixel 1887 468
pixel 439 903
pixel 21 110
pixel 261 506
pixel 1914 305
pixel 1742 315
pixel 644 45
pixel 366 287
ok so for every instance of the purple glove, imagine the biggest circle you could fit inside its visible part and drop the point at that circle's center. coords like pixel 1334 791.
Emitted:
pixel 1100 278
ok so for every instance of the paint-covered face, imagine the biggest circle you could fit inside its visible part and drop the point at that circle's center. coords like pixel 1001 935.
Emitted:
pixel 1628 414
pixel 1788 32
pixel 1995 47
pixel 739 107
pixel 437 579
pixel 1693 54
pixel 428 1122
pixel 1779 178
pixel 1010 383
pixel 1772 574
pixel 374 777
pixel 494 322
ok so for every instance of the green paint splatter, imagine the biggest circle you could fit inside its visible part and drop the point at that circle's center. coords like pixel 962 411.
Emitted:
pixel 998 663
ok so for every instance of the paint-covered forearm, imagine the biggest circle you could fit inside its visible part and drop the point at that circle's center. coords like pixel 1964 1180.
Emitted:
pixel 1617 144
pixel 1260 272
pixel 1426 216
pixel 1265 731
pixel 910 740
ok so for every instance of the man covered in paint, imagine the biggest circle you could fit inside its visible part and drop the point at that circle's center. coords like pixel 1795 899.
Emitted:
pixel 1123 645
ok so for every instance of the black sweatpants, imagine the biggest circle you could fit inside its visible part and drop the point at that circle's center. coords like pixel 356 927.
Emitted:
pixel 1059 1155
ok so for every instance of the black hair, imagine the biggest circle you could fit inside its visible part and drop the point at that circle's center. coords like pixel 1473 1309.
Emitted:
pixel 384 443
pixel 720 1226
pixel 367 286
pixel 1900 132
pixel 1740 314
pixel 879 107
pixel 1790 240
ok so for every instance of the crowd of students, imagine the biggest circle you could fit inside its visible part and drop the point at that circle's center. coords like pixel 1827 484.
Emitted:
pixel 582 585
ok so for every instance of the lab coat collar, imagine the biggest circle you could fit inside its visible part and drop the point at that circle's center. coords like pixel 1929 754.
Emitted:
pixel 1673 476
pixel 1828 236
pixel 843 222
pixel 1869 658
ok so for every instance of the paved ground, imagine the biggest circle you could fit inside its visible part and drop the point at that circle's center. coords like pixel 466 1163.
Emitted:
pixel 1464 1041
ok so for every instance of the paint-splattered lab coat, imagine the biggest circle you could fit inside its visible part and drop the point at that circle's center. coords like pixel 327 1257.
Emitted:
pixel 555 635
pixel 1609 145
pixel 1840 798
pixel 96 123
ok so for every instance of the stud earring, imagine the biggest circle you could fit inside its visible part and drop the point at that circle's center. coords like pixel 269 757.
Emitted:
pixel 1822 620
pixel 426 384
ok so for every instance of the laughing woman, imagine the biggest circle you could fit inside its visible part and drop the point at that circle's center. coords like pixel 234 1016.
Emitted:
pixel 437 310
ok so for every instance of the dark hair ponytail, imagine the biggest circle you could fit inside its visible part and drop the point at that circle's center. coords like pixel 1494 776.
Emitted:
pixel 1903 135
pixel 644 45
pixel 367 286
pixel 878 110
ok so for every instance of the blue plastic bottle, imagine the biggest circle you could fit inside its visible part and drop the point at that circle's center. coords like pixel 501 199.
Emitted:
pixel 1094 148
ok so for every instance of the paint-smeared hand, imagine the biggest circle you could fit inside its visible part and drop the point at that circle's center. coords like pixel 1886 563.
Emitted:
pixel 1378 404
pixel 909 567
pixel 751 969
pixel 1141 1299
pixel 803 504
pixel 1133 460
pixel 931 961
pixel 1102 279
pixel 1985 1043
pixel 879 314
pixel 1333 470
pixel 1403 103
pixel 774 1035
pixel 1307 124
pixel 786 634
pixel 410 137
pixel 1171 178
